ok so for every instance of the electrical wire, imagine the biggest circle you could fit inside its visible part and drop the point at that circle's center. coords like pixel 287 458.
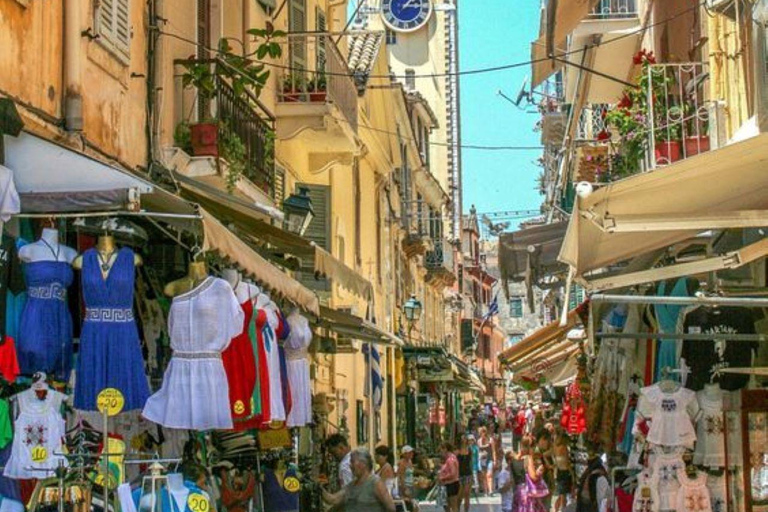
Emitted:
pixel 469 72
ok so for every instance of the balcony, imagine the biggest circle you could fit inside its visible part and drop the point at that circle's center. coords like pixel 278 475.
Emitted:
pixel 317 98
pixel 414 219
pixel 614 9
pixel 439 262
pixel 238 121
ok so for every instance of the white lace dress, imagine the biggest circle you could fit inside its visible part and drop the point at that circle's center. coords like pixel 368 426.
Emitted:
pixel 38 433
pixel 666 470
pixel 195 391
pixel 297 365
pixel 693 495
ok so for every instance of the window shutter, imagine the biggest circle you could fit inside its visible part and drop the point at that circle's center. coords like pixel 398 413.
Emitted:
pixel 358 212
pixel 318 231
pixel 297 22
pixel 113 24
pixel 516 307
pixel 321 27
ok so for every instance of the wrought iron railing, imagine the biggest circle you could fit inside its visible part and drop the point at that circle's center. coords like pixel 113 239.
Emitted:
pixel 318 73
pixel 591 121
pixel 680 115
pixel 611 9
pixel 440 257
pixel 242 115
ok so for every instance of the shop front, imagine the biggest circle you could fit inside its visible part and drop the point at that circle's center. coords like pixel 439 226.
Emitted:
pixel 150 355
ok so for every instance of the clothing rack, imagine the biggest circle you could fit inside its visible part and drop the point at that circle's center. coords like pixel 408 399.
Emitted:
pixel 682 336
pixel 750 302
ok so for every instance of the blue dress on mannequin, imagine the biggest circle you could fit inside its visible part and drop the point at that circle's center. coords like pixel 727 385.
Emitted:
pixel 45 329
pixel 110 351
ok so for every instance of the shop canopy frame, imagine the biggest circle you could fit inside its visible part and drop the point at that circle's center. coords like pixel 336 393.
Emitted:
pixel 541 339
pixel 256 220
pixel 352 327
pixel 635 217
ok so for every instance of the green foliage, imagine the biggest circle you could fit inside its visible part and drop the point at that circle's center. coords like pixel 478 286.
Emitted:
pixel 232 150
pixel 182 137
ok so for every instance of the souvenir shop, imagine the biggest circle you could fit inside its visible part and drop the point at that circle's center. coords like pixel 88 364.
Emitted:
pixel 676 397
pixel 150 360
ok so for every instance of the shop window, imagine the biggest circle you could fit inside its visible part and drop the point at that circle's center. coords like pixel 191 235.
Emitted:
pixel 113 25
pixel 516 307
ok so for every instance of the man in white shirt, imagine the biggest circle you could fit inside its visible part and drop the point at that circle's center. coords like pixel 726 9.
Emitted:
pixel 506 484
pixel 338 446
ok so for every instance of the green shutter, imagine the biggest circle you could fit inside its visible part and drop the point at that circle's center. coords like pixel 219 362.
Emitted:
pixel 297 23
pixel 318 231
pixel 320 26
pixel 516 307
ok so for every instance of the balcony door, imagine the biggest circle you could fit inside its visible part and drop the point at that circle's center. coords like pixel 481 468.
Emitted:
pixel 297 23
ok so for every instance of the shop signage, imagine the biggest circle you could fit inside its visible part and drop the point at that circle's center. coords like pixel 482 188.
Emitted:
pixel 111 401
pixel 272 439
pixel 291 484
pixel 198 502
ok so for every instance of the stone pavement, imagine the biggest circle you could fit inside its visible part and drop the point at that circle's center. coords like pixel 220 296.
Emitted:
pixel 491 504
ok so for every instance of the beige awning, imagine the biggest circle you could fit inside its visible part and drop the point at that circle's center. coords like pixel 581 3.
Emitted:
pixel 541 339
pixel 219 239
pixel 255 223
pixel 542 69
pixel 627 218
pixel 350 326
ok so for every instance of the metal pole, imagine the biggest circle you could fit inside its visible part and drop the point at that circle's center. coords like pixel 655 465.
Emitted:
pixel 681 301
pixel 682 336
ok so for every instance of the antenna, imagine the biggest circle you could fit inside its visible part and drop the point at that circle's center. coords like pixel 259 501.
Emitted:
pixel 522 93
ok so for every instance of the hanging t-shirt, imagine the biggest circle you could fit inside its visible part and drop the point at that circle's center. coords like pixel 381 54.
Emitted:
pixel 706 358
pixel 11 277
pixel 9 198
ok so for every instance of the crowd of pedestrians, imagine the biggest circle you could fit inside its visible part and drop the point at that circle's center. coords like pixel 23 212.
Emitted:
pixel 535 475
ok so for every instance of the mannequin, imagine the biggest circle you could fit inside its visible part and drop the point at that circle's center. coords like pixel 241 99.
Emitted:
pixel 47 248
pixel 107 255
pixel 196 274
pixel 244 291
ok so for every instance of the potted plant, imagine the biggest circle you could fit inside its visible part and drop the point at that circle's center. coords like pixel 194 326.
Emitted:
pixel 233 150
pixel 668 135
pixel 318 89
pixel 293 87
pixel 696 132
pixel 203 135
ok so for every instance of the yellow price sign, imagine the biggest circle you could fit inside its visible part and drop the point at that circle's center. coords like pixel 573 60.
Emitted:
pixel 110 400
pixel 239 407
pixel 39 454
pixel 291 484
pixel 198 502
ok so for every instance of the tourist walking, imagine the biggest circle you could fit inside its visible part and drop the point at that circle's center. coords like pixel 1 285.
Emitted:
pixel 386 472
pixel 530 495
pixel 507 483
pixel 464 456
pixel 366 492
pixel 563 471
pixel 338 446
pixel 405 477
pixel 448 476
pixel 486 446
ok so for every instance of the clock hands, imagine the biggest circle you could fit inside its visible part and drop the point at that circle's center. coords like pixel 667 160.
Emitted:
pixel 409 3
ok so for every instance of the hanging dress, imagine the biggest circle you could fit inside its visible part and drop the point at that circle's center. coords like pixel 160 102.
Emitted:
pixel 670 415
pixel 195 391
pixel 667 316
pixel 645 499
pixel 297 366
pixel 110 351
pixel 262 340
pixel 240 365
pixel 283 331
pixel 45 331
pixel 710 448
pixel 274 383
pixel 693 495
pixel 39 430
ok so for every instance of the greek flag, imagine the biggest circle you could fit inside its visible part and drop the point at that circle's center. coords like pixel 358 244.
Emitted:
pixel 373 365
pixel 493 308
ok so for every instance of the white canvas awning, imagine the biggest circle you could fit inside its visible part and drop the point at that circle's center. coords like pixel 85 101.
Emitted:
pixel 724 188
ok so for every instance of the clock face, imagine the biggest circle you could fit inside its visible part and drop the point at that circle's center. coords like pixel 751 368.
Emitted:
pixel 406 15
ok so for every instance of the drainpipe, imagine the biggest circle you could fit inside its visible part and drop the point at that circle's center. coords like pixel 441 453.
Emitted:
pixel 73 100
pixel 246 27
pixel 156 80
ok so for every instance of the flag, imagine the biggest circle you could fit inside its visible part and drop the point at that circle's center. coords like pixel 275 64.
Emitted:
pixel 373 365
pixel 493 308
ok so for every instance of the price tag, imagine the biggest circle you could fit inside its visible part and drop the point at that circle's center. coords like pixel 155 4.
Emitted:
pixel 291 484
pixel 39 454
pixel 198 503
pixel 239 407
pixel 110 400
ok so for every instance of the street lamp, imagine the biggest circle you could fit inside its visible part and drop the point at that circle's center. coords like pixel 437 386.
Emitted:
pixel 298 211
pixel 412 309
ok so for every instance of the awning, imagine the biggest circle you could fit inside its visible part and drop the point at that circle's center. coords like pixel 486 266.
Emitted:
pixel 531 252
pixel 353 327
pixel 466 377
pixel 55 179
pixel 654 210
pixel 254 221
pixel 562 18
pixel 218 238
pixel 541 339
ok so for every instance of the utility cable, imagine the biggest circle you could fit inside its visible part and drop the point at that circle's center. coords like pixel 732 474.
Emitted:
pixel 491 69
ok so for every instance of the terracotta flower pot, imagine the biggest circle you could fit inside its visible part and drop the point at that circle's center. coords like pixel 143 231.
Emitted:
pixel 291 97
pixel 697 144
pixel 667 151
pixel 205 139
pixel 317 97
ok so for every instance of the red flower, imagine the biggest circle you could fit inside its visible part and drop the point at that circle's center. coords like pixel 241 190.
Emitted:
pixel 625 102
pixel 603 135
pixel 638 58
pixel 650 58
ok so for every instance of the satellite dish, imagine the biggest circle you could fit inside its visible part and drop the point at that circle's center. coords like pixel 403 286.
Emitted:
pixel 523 93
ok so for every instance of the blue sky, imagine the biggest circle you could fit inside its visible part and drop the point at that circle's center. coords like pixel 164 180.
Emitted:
pixel 492 33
